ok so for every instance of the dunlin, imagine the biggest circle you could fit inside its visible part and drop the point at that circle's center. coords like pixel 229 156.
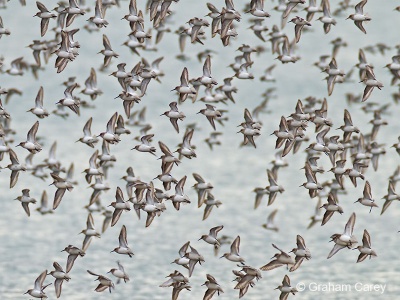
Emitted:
pixel 301 252
pixel 25 199
pixel 89 232
pixel 365 249
pixel 104 282
pixel 347 239
pixel 123 243
pixel 358 17
pixel 119 273
pixel 73 253
pixel 119 206
pixel 212 287
pixel 31 144
pixel 330 207
pixel 38 289
pixel 270 221
pixel 280 259
pixel 194 257
pixel 60 276
pixel 234 254
pixel 211 238
pixel 286 288
pixel 45 15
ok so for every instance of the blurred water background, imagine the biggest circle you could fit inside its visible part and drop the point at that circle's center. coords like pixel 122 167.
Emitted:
pixel 30 245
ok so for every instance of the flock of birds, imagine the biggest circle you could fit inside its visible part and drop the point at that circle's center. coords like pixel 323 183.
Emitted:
pixel 350 150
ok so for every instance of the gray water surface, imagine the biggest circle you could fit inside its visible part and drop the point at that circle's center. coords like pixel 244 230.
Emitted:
pixel 31 245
